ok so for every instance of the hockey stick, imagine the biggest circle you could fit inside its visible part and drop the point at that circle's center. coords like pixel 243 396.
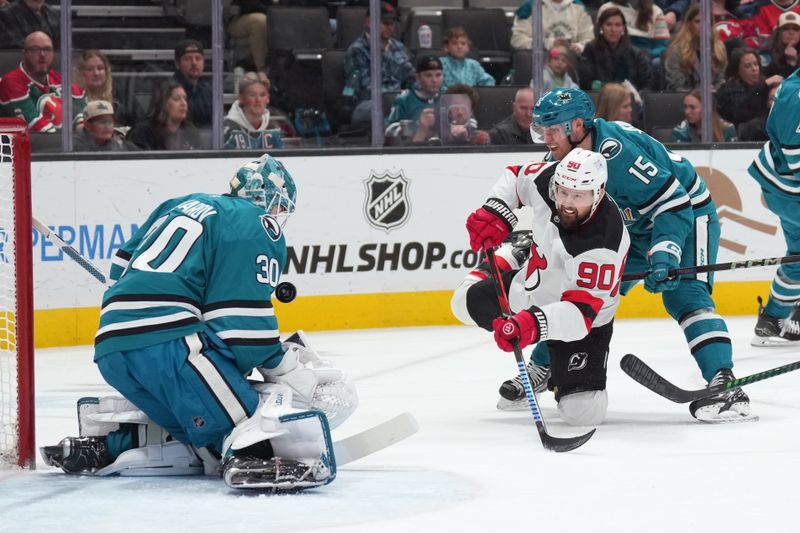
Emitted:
pixel 70 251
pixel 374 439
pixel 643 374
pixel 556 444
pixel 733 265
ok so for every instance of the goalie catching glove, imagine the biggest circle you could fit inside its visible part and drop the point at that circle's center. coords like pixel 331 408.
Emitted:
pixel 490 225
pixel 526 327
pixel 315 382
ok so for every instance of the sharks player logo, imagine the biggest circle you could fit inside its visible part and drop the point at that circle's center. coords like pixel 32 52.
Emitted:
pixel 610 148
pixel 271 227
pixel 387 205
pixel 536 263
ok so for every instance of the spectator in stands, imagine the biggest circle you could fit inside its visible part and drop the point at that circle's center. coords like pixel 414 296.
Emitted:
pixel 610 56
pixel 413 116
pixel 744 94
pixel 755 129
pixel 458 68
pixel 398 72
pixel 167 126
pixel 23 17
pixel 673 11
pixel 247 125
pixel 189 66
pixel 33 90
pixel 515 128
pixel 682 58
pixel 732 26
pixel 564 22
pixel 615 102
pixel 93 74
pixel 458 103
pixel 251 23
pixel 783 46
pixel 688 131
pixel 556 70
pixel 98 134
pixel 767 14
pixel 647 28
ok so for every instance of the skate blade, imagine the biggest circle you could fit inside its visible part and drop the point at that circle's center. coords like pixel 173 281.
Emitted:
pixel 730 420
pixel 512 405
pixel 771 341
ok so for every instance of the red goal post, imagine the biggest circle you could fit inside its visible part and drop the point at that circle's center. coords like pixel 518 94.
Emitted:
pixel 17 429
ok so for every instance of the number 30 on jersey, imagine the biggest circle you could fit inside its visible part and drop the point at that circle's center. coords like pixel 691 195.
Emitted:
pixel 269 270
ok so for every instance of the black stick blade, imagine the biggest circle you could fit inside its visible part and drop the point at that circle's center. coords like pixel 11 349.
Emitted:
pixel 561 444
pixel 646 376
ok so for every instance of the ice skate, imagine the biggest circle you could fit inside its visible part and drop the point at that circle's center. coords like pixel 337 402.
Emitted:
pixel 512 393
pixel 78 455
pixel 275 474
pixel 772 331
pixel 728 406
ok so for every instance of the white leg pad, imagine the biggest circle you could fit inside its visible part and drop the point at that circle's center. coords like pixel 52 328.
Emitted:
pixel 586 408
pixel 170 459
pixel 458 303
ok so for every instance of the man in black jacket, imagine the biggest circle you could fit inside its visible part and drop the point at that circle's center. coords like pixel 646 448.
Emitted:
pixel 189 66
pixel 515 128
pixel 24 17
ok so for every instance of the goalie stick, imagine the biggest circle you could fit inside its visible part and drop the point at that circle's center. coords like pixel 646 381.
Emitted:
pixel 555 444
pixel 374 439
pixel 70 251
pixel 643 374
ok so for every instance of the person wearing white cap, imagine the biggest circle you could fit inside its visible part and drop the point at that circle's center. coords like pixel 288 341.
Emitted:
pixel 783 46
pixel 767 15
pixel 98 133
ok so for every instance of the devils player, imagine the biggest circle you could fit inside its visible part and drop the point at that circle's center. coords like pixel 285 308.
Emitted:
pixel 568 291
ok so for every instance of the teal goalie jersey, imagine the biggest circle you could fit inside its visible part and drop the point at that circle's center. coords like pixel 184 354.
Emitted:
pixel 199 261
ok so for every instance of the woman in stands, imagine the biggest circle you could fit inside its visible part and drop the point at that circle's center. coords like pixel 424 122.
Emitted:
pixel 167 126
pixel 615 102
pixel 249 124
pixel 93 71
pixel 610 57
pixel 682 58
pixel 783 46
pixel 744 94
pixel 688 130
pixel 647 27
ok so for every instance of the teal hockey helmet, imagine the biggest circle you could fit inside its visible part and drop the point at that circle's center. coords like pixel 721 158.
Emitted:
pixel 560 107
pixel 267 184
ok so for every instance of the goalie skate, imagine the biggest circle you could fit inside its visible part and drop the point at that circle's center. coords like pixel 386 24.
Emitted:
pixel 78 455
pixel 276 474
pixel 512 393
pixel 729 406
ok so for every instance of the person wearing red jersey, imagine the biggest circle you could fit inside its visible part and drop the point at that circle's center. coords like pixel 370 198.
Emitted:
pixel 33 90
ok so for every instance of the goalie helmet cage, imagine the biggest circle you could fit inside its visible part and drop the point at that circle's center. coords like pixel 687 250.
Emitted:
pixel 17 435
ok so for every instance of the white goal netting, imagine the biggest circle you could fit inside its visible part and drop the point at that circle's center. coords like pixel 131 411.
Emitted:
pixel 14 430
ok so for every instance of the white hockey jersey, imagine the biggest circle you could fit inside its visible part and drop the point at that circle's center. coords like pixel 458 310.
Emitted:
pixel 573 276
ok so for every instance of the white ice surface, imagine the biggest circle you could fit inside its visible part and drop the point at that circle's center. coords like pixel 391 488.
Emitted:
pixel 649 468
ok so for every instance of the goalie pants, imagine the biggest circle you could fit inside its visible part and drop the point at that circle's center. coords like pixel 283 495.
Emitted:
pixel 189 386
pixel 785 291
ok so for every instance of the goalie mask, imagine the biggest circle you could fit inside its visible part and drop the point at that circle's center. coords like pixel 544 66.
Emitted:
pixel 267 184
pixel 577 186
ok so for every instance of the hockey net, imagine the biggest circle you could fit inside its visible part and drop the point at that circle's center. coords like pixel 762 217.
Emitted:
pixel 17 441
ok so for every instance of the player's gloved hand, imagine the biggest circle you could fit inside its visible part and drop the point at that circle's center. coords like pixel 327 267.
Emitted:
pixel 661 262
pixel 522 327
pixel 490 225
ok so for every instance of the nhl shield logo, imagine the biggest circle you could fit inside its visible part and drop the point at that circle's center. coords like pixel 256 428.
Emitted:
pixel 387 205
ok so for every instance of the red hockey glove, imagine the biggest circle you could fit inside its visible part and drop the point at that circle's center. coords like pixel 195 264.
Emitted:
pixel 524 327
pixel 490 224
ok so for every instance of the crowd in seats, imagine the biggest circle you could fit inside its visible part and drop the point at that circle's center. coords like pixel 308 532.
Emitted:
pixel 305 74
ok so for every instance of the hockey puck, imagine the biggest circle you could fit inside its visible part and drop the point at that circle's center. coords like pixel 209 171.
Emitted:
pixel 285 292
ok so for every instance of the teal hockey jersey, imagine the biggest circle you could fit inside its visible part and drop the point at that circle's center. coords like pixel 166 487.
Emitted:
pixel 199 261
pixel 658 192
pixel 777 165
